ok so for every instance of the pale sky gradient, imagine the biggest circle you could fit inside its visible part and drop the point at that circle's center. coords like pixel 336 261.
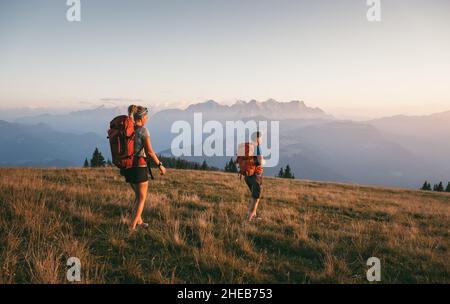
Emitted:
pixel 324 52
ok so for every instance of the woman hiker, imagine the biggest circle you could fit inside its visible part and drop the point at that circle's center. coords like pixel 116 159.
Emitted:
pixel 137 175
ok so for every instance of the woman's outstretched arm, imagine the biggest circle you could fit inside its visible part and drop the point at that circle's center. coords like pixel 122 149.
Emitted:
pixel 151 153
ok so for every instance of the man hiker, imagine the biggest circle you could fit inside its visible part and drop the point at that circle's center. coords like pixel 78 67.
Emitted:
pixel 250 161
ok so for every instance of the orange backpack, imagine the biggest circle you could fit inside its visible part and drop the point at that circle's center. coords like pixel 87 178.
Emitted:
pixel 121 140
pixel 247 160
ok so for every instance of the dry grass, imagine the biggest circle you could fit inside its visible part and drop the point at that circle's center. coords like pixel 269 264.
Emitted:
pixel 310 231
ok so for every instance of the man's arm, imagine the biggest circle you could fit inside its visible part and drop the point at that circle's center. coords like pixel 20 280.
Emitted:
pixel 259 156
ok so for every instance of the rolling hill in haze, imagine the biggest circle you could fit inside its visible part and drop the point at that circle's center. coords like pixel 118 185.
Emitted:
pixel 78 122
pixel 434 125
pixel 398 151
pixel 427 137
pixel 42 146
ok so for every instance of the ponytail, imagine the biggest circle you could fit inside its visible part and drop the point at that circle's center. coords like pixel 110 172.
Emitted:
pixel 132 110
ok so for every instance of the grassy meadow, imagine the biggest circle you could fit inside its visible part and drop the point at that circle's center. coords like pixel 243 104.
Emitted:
pixel 310 232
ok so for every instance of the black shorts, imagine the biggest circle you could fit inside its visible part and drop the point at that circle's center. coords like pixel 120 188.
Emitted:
pixel 136 175
pixel 254 183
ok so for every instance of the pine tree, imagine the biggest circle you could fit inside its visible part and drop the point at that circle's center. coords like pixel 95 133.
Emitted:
pixel 438 187
pixel 97 159
pixel 287 172
pixel 109 163
pixel 179 164
pixel 86 163
pixel 204 165
pixel 281 173
pixel 426 186
pixel 448 187
pixel 231 166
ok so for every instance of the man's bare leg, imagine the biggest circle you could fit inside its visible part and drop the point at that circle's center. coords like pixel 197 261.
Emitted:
pixel 253 206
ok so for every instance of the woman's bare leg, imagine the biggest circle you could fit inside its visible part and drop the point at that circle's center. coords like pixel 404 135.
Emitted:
pixel 135 205
pixel 134 187
pixel 135 202
pixel 142 195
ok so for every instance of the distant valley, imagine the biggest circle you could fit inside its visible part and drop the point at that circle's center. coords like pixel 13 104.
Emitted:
pixel 393 151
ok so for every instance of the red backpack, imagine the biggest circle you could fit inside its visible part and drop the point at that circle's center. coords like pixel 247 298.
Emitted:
pixel 121 139
pixel 246 160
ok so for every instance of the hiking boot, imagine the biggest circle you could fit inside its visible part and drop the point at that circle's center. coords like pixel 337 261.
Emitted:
pixel 143 225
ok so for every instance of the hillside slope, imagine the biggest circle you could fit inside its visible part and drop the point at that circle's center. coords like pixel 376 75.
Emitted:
pixel 40 145
pixel 309 232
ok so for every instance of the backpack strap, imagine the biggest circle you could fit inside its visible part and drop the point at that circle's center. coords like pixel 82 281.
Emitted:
pixel 135 155
pixel 134 134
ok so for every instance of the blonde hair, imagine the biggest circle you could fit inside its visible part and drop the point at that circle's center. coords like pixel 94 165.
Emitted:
pixel 132 109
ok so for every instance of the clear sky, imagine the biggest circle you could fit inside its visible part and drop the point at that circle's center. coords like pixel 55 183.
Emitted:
pixel 324 52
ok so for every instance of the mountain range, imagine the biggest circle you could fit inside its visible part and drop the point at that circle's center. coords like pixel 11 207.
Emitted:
pixel 394 151
pixel 270 109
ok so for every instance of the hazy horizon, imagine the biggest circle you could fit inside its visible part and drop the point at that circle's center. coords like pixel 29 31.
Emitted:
pixel 344 113
pixel 173 54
